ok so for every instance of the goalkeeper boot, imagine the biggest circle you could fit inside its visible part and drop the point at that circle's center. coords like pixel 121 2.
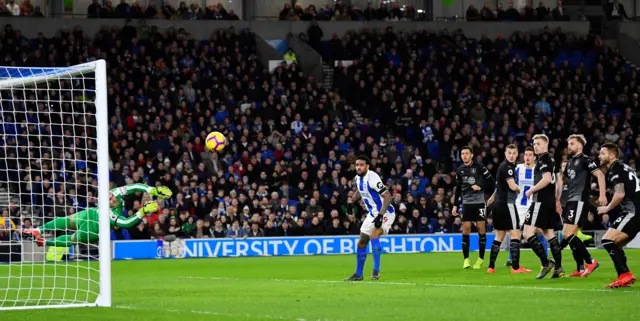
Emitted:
pixel 375 275
pixel 34 232
pixel 466 264
pixel 479 264
pixel 354 277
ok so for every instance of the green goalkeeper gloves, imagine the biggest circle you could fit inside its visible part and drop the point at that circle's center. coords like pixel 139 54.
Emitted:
pixel 149 207
pixel 161 192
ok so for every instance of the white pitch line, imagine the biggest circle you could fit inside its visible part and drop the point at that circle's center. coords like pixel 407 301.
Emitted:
pixel 204 312
pixel 443 285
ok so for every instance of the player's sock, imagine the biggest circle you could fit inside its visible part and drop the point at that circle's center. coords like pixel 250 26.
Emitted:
pixel 576 242
pixel 376 252
pixel 537 248
pixel 465 246
pixel 495 249
pixel 61 241
pixel 544 243
pixel 578 258
pixel 617 256
pixel 515 254
pixel 482 245
pixel 60 223
pixel 361 255
pixel 556 251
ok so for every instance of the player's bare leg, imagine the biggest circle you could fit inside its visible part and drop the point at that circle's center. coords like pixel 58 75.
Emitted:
pixel 376 252
pixel 536 246
pixel 613 242
pixel 361 256
pixel 579 250
pixel 482 244
pixel 466 230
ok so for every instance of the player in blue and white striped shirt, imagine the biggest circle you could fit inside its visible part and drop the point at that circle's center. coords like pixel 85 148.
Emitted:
pixel 524 179
pixel 377 200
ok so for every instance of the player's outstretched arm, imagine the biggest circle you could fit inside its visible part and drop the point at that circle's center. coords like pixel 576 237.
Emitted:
pixel 130 189
pixel 131 221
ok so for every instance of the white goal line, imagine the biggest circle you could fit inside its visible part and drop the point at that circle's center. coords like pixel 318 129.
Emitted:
pixel 443 285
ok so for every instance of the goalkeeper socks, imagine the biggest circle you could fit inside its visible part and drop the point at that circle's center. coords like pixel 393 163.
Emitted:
pixel 482 245
pixel 544 243
pixel 465 246
pixel 556 251
pixel 495 249
pixel 376 252
pixel 537 248
pixel 580 248
pixel 515 254
pixel 61 223
pixel 617 256
pixel 61 241
pixel 361 255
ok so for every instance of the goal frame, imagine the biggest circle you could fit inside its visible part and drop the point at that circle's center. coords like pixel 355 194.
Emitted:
pixel 26 75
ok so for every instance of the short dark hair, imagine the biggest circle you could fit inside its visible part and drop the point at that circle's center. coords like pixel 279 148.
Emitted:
pixel 364 158
pixel 467 148
pixel 612 148
pixel 511 146
pixel 529 149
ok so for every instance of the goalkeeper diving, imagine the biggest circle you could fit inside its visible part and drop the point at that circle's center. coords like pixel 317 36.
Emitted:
pixel 86 222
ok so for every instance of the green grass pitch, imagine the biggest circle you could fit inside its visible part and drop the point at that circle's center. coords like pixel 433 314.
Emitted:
pixel 426 286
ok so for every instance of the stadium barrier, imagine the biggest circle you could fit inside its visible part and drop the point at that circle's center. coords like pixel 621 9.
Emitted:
pixel 279 246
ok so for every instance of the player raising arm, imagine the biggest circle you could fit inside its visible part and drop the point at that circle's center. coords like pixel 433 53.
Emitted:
pixel 472 179
pixel 505 214
pixel 577 173
pixel 377 200
pixel 86 222
pixel 626 194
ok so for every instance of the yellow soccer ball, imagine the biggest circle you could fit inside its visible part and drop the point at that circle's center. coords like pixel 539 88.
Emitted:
pixel 216 142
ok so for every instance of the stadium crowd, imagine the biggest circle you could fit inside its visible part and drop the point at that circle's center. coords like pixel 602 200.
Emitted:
pixel 409 101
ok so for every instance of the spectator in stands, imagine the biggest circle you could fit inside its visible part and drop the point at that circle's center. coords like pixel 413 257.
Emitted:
pixel 123 9
pixel 487 13
pixel 290 56
pixel 615 10
pixel 13 8
pixel 94 10
pixel 542 12
pixel 26 8
pixel 559 13
pixel 473 14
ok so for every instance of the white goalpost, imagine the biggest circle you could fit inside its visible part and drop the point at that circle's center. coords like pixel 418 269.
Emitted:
pixel 54 157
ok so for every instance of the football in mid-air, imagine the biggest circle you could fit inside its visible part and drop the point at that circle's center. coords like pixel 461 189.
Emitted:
pixel 216 142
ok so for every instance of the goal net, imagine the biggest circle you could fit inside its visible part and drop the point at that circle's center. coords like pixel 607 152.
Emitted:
pixel 53 164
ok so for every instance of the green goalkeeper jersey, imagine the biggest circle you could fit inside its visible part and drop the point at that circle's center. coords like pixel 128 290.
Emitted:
pixel 120 192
